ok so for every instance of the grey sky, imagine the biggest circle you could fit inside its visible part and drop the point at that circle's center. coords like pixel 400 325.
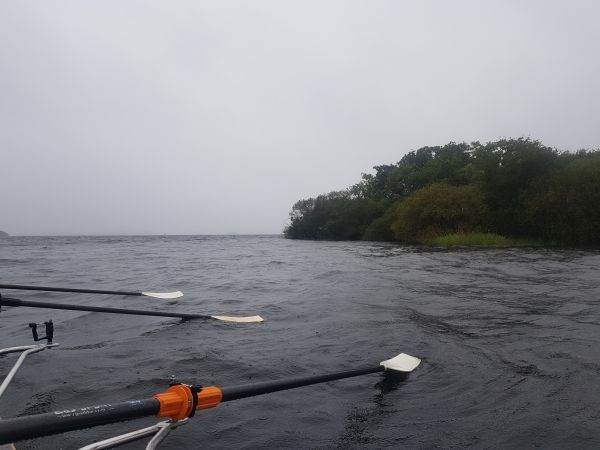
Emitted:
pixel 190 117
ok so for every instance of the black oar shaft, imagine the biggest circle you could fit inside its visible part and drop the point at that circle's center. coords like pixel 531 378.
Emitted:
pixel 55 289
pixel 29 427
pixel 251 390
pixel 16 302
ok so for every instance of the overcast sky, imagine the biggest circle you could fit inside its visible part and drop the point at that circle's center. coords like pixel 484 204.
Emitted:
pixel 192 117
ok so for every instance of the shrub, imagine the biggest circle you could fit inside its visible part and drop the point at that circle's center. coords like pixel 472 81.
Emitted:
pixel 437 210
pixel 381 228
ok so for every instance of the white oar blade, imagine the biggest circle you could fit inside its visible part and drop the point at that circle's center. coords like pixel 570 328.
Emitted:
pixel 163 295
pixel 246 319
pixel 401 363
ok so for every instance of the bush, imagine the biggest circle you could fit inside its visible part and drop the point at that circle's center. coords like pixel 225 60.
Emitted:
pixel 437 210
pixel 381 228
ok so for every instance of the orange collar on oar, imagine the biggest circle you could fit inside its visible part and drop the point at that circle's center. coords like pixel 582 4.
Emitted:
pixel 177 402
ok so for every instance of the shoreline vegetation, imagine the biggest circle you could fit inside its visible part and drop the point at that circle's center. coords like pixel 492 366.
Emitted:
pixel 480 240
pixel 506 193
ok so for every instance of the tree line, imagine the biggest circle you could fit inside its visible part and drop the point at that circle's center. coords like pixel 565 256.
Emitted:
pixel 512 187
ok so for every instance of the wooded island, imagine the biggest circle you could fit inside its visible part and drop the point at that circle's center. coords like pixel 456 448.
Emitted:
pixel 503 193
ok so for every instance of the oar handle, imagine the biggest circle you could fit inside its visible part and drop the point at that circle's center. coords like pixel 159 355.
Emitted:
pixel 55 289
pixel 29 427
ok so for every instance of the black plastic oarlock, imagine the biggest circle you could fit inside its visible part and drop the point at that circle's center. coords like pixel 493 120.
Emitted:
pixel 49 332
pixel 49 328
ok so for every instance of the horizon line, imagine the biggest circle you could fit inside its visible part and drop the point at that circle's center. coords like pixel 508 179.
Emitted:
pixel 140 234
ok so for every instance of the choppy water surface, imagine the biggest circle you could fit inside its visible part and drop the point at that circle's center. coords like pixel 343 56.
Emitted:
pixel 509 340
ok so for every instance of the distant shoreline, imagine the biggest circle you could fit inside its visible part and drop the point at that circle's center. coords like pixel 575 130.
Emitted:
pixel 506 193
pixel 143 235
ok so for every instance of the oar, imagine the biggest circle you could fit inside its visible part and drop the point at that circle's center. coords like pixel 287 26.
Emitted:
pixel 178 402
pixel 5 301
pixel 162 295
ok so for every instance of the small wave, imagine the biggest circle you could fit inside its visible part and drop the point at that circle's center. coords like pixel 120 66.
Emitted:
pixel 276 263
pixel 437 325
pixel 87 346
pixel 14 261
pixel 526 369
pixel 328 273
pixel 231 302
pixel 42 402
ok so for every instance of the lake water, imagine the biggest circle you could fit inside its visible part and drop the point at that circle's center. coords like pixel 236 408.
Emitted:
pixel 510 340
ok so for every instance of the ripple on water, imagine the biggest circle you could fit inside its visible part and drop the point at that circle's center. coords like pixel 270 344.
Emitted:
pixel 509 340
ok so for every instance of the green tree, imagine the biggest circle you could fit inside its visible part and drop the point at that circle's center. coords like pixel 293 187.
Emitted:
pixel 335 216
pixel 564 208
pixel 508 168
